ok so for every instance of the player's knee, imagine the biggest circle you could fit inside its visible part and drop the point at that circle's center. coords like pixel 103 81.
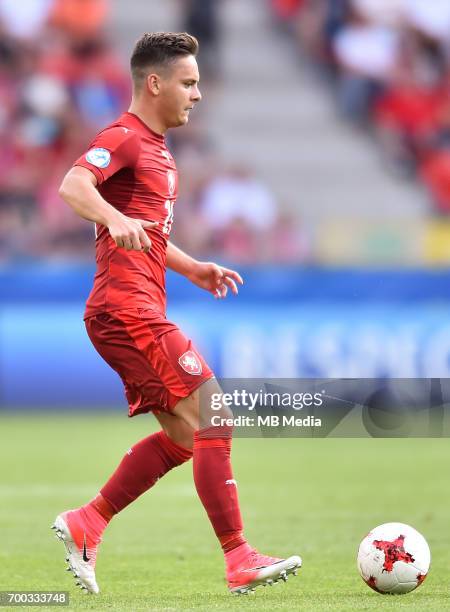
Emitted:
pixel 186 439
pixel 182 434
pixel 176 429
pixel 185 442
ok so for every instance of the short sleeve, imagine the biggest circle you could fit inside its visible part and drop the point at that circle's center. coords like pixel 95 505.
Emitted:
pixel 113 149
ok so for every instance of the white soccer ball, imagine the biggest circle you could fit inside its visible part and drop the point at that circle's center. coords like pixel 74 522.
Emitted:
pixel 393 559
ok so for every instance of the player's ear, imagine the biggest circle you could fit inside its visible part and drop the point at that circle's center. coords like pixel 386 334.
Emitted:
pixel 154 84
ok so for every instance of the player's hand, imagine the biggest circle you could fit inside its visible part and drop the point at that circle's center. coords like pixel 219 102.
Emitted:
pixel 130 233
pixel 215 279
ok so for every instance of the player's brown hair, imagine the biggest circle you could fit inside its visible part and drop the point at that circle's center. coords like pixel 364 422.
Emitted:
pixel 159 50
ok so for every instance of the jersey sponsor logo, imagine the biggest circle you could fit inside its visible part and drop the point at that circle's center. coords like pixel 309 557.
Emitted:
pixel 171 182
pixel 101 158
pixel 190 363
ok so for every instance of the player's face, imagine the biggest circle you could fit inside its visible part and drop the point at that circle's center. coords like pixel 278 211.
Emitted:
pixel 179 91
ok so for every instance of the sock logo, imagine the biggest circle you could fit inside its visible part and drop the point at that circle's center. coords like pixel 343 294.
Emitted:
pixel 190 363
pixel 85 557
pixel 231 481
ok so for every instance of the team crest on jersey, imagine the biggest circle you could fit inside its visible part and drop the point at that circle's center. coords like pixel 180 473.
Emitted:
pixel 190 363
pixel 101 158
pixel 171 181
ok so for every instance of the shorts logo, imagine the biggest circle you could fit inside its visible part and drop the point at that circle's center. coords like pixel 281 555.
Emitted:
pixel 99 157
pixel 190 363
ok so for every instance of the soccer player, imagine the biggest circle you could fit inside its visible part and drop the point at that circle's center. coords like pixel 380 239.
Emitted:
pixel 126 183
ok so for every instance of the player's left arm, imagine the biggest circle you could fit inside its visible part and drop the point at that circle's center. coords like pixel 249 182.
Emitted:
pixel 205 274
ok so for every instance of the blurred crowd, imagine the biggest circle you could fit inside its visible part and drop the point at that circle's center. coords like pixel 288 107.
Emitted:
pixel 61 81
pixel 389 63
pixel 227 211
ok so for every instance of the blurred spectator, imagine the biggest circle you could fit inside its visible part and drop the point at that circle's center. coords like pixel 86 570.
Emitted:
pixel 59 83
pixel 245 225
pixel 431 17
pixel 289 242
pixel 24 18
pixel 238 194
pixel 383 12
pixel 237 241
pixel 436 173
pixel 201 19
pixel 366 53
pixel 317 26
pixel 285 10
pixel 82 19
pixel 13 233
pixel 99 86
pixel 390 65
pixel 435 160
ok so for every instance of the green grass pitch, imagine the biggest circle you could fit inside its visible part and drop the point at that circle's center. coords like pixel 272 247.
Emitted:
pixel 317 498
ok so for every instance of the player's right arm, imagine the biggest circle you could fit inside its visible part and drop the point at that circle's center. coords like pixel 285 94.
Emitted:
pixel 78 190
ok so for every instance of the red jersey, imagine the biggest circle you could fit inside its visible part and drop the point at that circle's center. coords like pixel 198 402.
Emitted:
pixel 137 175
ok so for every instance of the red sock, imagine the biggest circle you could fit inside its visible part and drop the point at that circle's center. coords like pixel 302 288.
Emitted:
pixel 141 467
pixel 216 486
pixel 97 514
pixel 103 507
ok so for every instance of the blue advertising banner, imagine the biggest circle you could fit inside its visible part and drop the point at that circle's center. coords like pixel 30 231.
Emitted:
pixel 46 358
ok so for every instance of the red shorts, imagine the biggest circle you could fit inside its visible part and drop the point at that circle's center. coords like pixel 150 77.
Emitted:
pixel 156 362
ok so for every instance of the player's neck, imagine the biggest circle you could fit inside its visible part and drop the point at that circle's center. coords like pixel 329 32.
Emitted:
pixel 148 117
